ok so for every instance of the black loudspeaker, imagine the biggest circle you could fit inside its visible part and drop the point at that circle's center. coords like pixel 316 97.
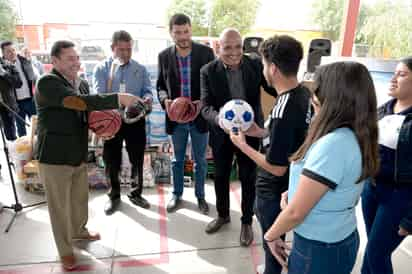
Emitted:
pixel 251 44
pixel 317 48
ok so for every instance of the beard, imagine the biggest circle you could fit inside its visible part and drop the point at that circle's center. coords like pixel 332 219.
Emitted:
pixel 183 44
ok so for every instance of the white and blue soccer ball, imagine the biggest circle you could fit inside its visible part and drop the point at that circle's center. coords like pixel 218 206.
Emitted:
pixel 236 115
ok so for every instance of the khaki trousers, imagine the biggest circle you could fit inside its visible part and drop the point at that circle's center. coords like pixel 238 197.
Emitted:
pixel 67 195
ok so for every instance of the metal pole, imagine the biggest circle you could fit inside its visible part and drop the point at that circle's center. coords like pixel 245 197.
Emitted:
pixel 349 27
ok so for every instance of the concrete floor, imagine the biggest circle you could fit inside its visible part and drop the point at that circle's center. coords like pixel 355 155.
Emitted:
pixel 136 240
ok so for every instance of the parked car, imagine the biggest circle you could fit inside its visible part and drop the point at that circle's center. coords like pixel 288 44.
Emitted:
pixel 86 71
pixel 92 52
pixel 44 58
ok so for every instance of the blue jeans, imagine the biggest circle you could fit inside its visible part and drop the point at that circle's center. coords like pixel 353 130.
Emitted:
pixel 267 211
pixel 383 208
pixel 26 109
pixel 314 257
pixel 199 144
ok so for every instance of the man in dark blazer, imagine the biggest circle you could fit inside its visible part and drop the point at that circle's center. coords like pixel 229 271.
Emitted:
pixel 24 93
pixel 232 76
pixel 62 101
pixel 9 81
pixel 179 75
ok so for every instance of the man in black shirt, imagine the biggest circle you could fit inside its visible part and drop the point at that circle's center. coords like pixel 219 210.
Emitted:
pixel 287 125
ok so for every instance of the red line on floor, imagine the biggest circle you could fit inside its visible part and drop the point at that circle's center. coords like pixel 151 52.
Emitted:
pixel 254 253
pixel 35 269
pixel 164 243
pixel 162 259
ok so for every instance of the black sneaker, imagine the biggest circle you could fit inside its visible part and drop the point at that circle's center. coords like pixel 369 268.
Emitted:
pixel 216 224
pixel 173 204
pixel 112 205
pixel 139 200
pixel 203 206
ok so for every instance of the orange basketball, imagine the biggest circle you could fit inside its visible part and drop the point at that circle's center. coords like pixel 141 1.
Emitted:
pixel 105 123
pixel 183 110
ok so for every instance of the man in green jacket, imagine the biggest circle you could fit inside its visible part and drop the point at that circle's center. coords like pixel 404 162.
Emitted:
pixel 62 101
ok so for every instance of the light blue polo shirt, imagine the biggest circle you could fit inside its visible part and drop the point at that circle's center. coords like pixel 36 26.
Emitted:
pixel 335 160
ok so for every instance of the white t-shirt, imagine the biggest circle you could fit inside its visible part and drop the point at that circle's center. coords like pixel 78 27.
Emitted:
pixel 24 91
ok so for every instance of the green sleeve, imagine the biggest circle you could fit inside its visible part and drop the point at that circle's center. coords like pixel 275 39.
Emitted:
pixel 51 92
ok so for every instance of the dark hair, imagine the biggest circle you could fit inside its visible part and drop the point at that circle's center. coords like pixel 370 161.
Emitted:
pixel 57 47
pixel 408 62
pixel 5 44
pixel 121 35
pixel 284 51
pixel 179 19
pixel 347 98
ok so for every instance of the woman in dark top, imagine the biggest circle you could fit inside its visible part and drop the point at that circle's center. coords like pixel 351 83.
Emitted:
pixel 387 200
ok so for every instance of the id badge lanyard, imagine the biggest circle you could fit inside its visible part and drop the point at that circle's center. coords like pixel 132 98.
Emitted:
pixel 122 86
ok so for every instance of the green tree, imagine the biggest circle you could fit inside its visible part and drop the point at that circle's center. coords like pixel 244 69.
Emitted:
pixel 8 20
pixel 240 14
pixel 387 29
pixel 328 14
pixel 196 10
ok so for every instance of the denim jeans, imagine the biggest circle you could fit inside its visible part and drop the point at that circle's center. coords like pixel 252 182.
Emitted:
pixel 267 211
pixel 199 145
pixel 314 257
pixel 26 109
pixel 383 208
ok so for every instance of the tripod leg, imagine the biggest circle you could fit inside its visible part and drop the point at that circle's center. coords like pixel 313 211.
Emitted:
pixel 11 222
pixel 36 204
pixel 17 208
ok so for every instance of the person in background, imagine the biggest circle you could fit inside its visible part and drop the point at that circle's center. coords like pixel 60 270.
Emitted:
pixel 38 66
pixel 62 101
pixel 387 199
pixel 24 94
pixel 179 75
pixel 9 81
pixel 120 73
pixel 327 174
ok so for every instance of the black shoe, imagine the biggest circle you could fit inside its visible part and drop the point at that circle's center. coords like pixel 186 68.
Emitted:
pixel 203 206
pixel 246 235
pixel 111 206
pixel 138 200
pixel 216 224
pixel 173 204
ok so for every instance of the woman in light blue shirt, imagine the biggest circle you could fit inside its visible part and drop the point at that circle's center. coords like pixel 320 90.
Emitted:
pixel 327 174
